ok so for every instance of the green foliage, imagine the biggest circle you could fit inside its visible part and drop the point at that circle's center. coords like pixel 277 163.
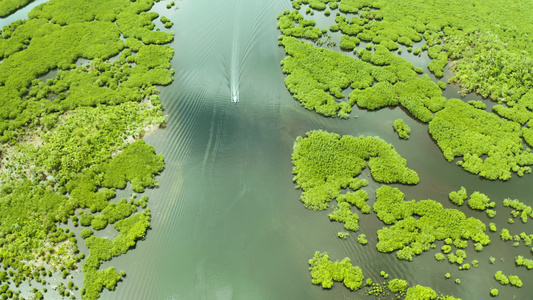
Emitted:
pixel 99 223
pixel 480 201
pixel 397 286
pixel 316 76
pixel 504 78
pixel 458 257
pixel 7 7
pixel 325 271
pixel 461 130
pixel 324 163
pixel 89 135
pixel 362 239
pixel 419 292
pixel 402 128
pixel 477 104
pixel 521 208
pixel 416 225
pixel 305 29
pixel 437 65
pixel 315 71
pixel 86 232
pixel 439 256
pixel 494 292
pixel 505 235
pixel 39 209
pixel 348 42
pixel 85 114
pixel 130 230
pixel 342 213
pixel 521 261
pixel 458 197
pixel 343 234
pixel 357 198
pixel 141 202
pixel 501 278
pixel 86 219
pixel 139 156
pixel 61 33
pixel 515 280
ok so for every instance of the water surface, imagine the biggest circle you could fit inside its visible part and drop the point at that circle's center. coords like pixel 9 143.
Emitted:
pixel 227 222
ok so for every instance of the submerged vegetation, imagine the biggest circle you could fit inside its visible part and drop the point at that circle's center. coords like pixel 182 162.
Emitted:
pixel 68 142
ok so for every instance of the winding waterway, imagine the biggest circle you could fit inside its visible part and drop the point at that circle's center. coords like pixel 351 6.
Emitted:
pixel 226 219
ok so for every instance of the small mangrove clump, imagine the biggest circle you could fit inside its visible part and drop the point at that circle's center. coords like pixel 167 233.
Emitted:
pixel 402 129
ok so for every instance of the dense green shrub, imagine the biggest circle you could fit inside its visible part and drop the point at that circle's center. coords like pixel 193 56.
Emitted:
pixel 86 113
pixel 362 239
pixel 458 197
pixel 125 167
pixel 10 6
pixel 317 76
pixel 397 286
pixel 419 292
pixel 343 235
pixel 324 163
pixel 342 213
pixel 416 225
pixel 86 232
pixel 61 33
pixel 480 201
pixel 324 272
pixel 521 208
pixel 461 130
pixel 521 261
pixel 402 129
pixel 477 104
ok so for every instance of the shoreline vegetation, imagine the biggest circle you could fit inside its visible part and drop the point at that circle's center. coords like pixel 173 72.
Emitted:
pixel 359 61
pixel 69 142
pixel 8 7
pixel 490 57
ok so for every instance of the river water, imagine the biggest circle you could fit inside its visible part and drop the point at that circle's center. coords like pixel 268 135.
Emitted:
pixel 227 222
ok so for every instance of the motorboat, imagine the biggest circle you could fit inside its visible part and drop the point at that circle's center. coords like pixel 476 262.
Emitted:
pixel 234 97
